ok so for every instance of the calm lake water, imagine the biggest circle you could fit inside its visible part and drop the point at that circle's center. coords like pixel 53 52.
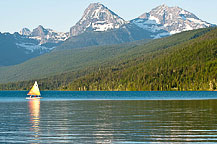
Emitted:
pixel 108 117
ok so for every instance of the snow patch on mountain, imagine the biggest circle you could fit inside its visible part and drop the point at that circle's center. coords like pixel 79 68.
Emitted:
pixel 152 26
pixel 154 19
pixel 149 25
pixel 198 21
pixel 31 47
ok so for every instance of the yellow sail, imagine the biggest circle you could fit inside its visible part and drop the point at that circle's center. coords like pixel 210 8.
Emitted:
pixel 34 90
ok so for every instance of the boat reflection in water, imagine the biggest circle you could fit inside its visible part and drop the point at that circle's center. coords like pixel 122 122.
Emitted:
pixel 34 110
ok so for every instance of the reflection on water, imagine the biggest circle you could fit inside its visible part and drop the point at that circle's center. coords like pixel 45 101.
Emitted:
pixel 173 121
pixel 34 110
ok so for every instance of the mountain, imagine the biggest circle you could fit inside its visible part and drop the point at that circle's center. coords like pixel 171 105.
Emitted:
pixel 97 17
pixel 101 26
pixel 15 49
pixel 126 33
pixel 184 61
pixel 171 19
pixel 19 47
pixel 25 31
pixel 159 22
pixel 90 59
pixel 188 66
pixel 45 36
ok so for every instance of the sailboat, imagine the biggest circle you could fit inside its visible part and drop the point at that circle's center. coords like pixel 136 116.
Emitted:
pixel 34 93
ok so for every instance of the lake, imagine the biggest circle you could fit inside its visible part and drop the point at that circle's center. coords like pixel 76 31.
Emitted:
pixel 108 117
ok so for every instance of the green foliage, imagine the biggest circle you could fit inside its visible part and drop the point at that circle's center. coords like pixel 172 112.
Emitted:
pixel 72 60
pixel 58 62
pixel 185 61
pixel 191 65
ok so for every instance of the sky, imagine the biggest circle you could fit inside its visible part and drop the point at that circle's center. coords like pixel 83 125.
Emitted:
pixel 60 15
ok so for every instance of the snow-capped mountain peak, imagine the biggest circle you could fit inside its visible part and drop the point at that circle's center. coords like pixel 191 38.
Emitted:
pixel 44 35
pixel 97 17
pixel 40 40
pixel 171 19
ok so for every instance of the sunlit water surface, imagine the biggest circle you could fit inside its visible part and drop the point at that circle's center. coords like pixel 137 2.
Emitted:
pixel 109 117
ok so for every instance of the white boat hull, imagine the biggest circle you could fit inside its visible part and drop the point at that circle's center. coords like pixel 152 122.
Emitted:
pixel 33 98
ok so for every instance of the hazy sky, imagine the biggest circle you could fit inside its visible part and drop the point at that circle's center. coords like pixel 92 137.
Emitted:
pixel 60 15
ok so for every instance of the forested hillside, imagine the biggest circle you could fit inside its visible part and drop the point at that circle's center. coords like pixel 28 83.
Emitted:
pixel 72 60
pixel 185 61
pixel 191 65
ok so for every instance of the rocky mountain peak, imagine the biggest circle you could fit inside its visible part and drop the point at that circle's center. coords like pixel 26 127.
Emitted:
pixel 162 6
pixel 165 13
pixel 39 31
pixel 45 35
pixel 97 17
pixel 95 6
pixel 99 11
pixel 25 31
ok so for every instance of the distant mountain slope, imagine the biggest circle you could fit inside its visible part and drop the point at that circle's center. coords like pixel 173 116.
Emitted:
pixel 19 47
pixel 15 49
pixel 62 61
pixel 119 67
pixel 127 33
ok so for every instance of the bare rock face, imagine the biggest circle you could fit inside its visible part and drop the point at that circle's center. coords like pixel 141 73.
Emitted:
pixel 97 17
pixel 40 31
pixel 25 31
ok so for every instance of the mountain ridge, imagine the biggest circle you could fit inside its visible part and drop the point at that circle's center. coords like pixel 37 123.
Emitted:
pixel 44 35
pixel 171 19
pixel 100 26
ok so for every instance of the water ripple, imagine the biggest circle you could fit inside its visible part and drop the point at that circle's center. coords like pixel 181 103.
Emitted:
pixel 108 122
